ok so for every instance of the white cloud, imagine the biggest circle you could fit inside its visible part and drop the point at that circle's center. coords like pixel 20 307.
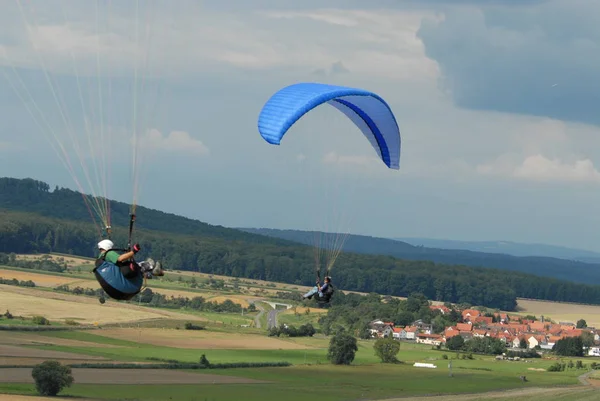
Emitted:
pixel 540 168
pixel 175 141
pixel 373 42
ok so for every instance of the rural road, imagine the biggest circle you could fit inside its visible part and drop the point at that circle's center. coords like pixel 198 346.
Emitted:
pixel 260 313
pixel 272 318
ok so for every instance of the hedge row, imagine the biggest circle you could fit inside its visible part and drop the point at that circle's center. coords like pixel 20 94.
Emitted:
pixel 180 365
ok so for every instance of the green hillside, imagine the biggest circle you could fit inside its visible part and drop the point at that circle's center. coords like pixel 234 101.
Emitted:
pixel 35 219
pixel 570 270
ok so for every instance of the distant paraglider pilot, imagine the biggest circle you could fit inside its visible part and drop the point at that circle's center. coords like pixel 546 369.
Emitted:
pixel 323 292
pixel 120 275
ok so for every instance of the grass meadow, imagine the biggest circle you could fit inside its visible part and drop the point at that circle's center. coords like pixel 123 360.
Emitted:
pixel 130 333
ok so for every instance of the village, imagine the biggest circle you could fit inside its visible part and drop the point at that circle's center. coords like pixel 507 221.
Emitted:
pixel 516 332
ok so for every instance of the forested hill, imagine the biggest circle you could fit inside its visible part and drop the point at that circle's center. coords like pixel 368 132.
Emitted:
pixel 563 269
pixel 30 195
pixel 22 232
pixel 35 219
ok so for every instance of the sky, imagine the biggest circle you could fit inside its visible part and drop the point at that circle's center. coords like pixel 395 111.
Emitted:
pixel 497 103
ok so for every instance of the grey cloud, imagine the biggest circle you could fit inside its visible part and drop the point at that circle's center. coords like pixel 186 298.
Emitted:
pixel 541 61
pixel 338 68
pixel 335 69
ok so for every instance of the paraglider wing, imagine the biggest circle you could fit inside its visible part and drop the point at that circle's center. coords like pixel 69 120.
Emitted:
pixel 368 111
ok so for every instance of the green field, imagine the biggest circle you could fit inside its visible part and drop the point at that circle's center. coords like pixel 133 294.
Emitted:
pixel 325 382
pixel 311 375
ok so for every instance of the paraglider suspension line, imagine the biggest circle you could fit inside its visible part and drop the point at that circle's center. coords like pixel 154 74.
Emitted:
pixel 131 221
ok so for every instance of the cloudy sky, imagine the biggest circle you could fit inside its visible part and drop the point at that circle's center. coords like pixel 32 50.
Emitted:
pixel 497 103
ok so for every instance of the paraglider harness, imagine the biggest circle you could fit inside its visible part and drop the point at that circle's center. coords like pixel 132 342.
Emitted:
pixel 328 292
pixel 130 269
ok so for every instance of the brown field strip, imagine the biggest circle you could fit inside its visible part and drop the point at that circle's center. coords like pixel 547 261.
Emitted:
pixel 42 280
pixel 13 351
pixel 13 361
pixel 129 376
pixel 202 339
pixel 71 261
pixel 579 393
pixel 233 298
pixel 55 306
pixel 302 310
pixel 558 311
pixel 24 338
pixel 12 397
pixel 51 281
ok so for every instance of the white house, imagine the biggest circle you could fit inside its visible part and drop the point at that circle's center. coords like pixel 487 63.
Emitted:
pixel 387 331
pixel 432 339
pixel 532 342
pixel 411 333
pixel 594 351
pixel 399 333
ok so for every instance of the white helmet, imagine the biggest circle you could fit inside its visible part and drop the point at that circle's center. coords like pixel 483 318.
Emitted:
pixel 105 244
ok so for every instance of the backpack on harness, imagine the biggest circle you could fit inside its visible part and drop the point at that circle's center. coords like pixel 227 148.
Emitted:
pixel 328 293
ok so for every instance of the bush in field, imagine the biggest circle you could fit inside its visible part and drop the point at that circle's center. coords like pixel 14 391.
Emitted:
pixel 342 348
pixel 204 361
pixel 41 320
pixel 191 326
pixel 51 377
pixel 387 349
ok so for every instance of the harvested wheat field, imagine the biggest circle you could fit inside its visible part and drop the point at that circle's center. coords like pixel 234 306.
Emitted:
pixel 59 307
pixel 42 280
pixel 71 261
pixel 201 339
pixel 233 298
pixel 302 310
pixel 558 311
pixel 129 376
pixel 578 393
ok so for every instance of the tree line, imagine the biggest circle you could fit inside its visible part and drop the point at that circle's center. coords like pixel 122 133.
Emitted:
pixel 30 233
pixel 354 313
pixel 190 245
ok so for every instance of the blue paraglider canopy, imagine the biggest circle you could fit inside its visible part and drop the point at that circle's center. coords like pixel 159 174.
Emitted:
pixel 368 111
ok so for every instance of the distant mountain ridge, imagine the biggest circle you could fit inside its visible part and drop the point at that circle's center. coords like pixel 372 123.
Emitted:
pixel 508 248
pixel 564 269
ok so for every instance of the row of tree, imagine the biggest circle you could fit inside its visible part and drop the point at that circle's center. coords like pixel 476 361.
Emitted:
pixel 44 263
pixel 151 298
pixel 283 330
pixel 190 245
pixel 355 312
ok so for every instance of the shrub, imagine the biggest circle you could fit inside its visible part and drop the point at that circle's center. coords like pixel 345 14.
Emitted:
pixel 51 377
pixel 190 326
pixel 41 320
